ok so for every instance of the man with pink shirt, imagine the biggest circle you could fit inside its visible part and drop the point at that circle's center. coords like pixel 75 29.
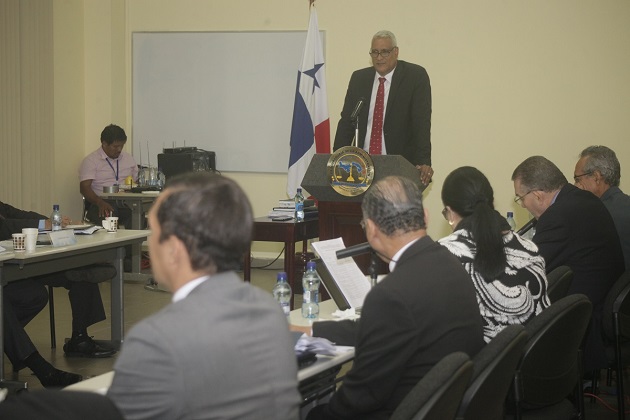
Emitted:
pixel 106 166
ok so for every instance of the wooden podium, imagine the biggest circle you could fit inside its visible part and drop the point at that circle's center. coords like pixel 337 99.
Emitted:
pixel 339 215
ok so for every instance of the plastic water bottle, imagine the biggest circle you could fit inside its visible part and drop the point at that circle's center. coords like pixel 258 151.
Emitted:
pixel 282 293
pixel 299 206
pixel 310 298
pixel 55 218
pixel 510 220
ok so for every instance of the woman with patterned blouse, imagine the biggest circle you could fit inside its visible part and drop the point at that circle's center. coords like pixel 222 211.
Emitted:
pixel 507 271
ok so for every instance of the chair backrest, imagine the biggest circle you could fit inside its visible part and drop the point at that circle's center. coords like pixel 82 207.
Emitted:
pixel 616 302
pixel 558 283
pixel 551 367
pixel 438 394
pixel 493 371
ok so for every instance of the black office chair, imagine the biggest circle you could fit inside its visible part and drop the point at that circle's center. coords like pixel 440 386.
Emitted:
pixel 438 394
pixel 551 367
pixel 616 334
pixel 558 283
pixel 493 371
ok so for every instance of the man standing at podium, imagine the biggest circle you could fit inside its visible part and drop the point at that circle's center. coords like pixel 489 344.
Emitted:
pixel 392 101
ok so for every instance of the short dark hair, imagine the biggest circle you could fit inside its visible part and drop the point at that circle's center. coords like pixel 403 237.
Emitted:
pixel 603 160
pixel 540 174
pixel 212 216
pixel 113 133
pixel 468 192
pixel 395 205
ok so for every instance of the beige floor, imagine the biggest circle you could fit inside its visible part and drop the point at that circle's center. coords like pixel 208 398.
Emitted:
pixel 139 303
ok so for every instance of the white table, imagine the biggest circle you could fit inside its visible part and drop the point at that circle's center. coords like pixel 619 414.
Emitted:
pixel 89 249
pixel 331 364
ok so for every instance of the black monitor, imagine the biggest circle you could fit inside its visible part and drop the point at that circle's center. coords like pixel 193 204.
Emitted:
pixel 185 159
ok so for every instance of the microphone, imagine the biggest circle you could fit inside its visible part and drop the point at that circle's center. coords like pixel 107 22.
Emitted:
pixel 527 226
pixel 357 108
pixel 353 250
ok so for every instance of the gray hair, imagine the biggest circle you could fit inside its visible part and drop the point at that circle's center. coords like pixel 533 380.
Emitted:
pixel 386 34
pixel 538 173
pixel 603 160
pixel 395 205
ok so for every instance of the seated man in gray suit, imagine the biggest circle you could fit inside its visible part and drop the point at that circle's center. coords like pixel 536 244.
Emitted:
pixel 599 172
pixel 222 349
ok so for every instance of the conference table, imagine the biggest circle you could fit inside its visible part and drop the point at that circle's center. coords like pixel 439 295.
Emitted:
pixel 89 249
pixel 314 380
pixel 139 204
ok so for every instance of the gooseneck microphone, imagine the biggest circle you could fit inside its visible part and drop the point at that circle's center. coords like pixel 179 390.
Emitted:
pixel 357 108
pixel 353 250
pixel 527 226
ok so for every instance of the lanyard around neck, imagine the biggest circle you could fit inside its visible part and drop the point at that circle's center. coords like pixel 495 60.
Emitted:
pixel 112 166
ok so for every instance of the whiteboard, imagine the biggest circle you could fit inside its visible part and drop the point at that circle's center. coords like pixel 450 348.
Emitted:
pixel 227 92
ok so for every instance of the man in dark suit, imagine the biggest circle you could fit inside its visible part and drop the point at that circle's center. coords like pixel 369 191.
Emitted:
pixel 405 127
pixel 422 311
pixel 574 229
pixel 85 296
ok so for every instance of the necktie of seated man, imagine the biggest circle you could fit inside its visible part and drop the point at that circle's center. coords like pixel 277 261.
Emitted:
pixel 376 137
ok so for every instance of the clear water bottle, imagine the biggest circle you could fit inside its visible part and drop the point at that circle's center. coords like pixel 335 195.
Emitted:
pixel 510 220
pixel 55 218
pixel 310 298
pixel 299 206
pixel 282 293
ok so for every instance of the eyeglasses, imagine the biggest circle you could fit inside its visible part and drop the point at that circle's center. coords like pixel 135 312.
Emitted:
pixel 444 211
pixel 362 223
pixel 519 198
pixel 382 53
pixel 577 177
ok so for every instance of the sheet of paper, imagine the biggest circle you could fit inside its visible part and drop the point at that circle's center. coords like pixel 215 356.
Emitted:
pixel 63 237
pixel 346 273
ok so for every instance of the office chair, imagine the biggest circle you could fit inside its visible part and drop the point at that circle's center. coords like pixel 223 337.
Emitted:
pixel 494 368
pixel 438 394
pixel 616 334
pixel 551 366
pixel 558 282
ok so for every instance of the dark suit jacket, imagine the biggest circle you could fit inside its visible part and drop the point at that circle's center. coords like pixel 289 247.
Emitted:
pixel 422 311
pixel 407 125
pixel 578 231
pixel 12 220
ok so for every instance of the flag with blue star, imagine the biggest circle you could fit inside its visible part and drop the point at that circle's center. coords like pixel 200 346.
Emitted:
pixel 310 129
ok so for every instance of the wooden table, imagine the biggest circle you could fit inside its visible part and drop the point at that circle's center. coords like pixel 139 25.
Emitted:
pixel 289 232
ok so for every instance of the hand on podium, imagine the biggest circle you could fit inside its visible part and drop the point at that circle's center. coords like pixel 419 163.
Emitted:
pixel 426 173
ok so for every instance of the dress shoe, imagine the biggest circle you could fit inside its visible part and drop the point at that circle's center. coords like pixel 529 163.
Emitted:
pixel 84 346
pixel 59 379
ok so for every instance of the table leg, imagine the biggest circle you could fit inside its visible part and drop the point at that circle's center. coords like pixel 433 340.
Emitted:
pixel 247 265
pixel 117 315
pixel 289 267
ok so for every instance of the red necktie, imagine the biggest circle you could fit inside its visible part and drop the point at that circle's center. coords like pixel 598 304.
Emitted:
pixel 376 138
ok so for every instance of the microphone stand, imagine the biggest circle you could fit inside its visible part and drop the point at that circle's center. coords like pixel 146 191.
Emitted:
pixel 372 268
pixel 355 141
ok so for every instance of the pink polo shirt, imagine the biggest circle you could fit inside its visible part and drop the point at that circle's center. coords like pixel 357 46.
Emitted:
pixel 102 169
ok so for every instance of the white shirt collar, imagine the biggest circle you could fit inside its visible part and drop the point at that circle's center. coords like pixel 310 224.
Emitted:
pixel 183 291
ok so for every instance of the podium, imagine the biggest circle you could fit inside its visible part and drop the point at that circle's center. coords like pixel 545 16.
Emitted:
pixel 339 215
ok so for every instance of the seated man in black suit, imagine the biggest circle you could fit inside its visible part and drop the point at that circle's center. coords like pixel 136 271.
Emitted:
pixel 422 311
pixel 574 229
pixel 85 296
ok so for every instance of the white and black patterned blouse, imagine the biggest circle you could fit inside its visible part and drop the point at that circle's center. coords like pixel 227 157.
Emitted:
pixel 519 294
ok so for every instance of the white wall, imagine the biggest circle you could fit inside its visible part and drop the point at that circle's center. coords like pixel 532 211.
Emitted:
pixel 510 79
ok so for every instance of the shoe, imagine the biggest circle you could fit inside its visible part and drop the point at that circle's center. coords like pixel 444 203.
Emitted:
pixel 84 346
pixel 59 379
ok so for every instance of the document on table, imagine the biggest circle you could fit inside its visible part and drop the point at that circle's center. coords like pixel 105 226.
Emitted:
pixel 345 272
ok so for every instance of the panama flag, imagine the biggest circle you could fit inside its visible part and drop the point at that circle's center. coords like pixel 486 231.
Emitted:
pixel 310 130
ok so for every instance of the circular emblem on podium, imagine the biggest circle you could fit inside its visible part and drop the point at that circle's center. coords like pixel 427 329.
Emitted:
pixel 350 171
